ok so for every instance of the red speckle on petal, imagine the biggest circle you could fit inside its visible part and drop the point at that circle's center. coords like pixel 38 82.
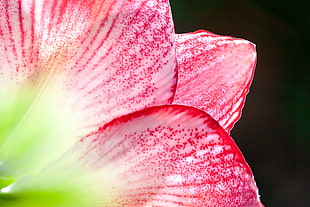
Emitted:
pixel 215 73
pixel 171 155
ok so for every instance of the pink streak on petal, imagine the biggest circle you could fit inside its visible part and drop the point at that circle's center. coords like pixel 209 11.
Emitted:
pixel 114 57
pixel 134 50
pixel 215 73
pixel 16 41
pixel 170 156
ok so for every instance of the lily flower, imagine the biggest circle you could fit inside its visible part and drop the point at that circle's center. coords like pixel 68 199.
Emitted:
pixel 86 109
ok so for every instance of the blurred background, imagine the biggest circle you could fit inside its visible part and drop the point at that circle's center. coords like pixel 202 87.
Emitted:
pixel 274 131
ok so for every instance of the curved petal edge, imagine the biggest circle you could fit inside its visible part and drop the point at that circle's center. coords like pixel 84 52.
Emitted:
pixel 215 73
pixel 168 156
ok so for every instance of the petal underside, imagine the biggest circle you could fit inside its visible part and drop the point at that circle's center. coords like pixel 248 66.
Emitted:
pixel 214 74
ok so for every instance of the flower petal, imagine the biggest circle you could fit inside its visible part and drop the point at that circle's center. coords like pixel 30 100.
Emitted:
pixel 109 57
pixel 215 73
pixel 166 156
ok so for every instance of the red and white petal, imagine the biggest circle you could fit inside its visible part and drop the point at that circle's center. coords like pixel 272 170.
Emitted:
pixel 215 73
pixel 135 63
pixel 34 32
pixel 166 156
pixel 107 58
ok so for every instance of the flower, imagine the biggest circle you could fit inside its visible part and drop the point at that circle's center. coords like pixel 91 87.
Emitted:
pixel 86 114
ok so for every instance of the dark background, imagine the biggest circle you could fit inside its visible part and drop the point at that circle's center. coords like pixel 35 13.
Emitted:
pixel 274 131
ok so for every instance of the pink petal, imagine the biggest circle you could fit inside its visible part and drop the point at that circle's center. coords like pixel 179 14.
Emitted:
pixel 215 73
pixel 169 156
pixel 108 58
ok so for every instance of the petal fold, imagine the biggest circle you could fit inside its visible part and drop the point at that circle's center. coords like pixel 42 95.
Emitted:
pixel 215 73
